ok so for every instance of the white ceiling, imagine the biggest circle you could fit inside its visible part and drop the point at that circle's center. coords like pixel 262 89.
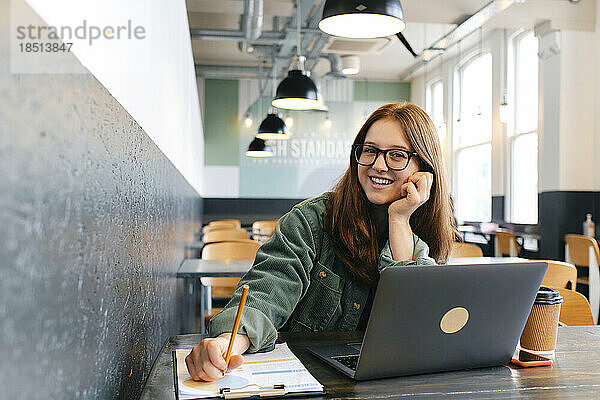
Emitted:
pixel 427 21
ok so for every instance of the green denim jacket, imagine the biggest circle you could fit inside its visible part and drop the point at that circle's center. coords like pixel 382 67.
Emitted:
pixel 297 283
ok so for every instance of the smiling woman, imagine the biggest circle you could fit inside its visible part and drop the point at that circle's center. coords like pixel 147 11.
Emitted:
pixel 320 269
pixel 397 187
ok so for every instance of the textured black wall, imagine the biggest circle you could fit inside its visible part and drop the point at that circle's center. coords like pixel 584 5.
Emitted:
pixel 561 213
pixel 247 210
pixel 93 218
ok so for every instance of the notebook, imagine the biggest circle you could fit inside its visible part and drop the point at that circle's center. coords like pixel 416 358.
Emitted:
pixel 272 374
pixel 433 319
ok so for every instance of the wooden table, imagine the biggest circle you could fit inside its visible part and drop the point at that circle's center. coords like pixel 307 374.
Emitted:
pixel 191 270
pixel 195 293
pixel 474 234
pixel 575 373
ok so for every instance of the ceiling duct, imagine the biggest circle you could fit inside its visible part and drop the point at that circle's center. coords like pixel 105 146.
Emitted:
pixel 251 25
pixel 252 19
pixel 336 65
pixel 277 44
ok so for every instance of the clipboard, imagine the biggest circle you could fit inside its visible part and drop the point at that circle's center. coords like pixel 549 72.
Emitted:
pixel 253 391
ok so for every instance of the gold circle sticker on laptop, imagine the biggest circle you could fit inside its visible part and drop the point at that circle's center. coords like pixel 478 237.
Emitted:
pixel 454 320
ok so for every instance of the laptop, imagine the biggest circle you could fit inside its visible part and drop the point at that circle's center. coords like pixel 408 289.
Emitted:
pixel 440 318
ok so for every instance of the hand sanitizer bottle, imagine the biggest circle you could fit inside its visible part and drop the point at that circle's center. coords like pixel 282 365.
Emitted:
pixel 589 226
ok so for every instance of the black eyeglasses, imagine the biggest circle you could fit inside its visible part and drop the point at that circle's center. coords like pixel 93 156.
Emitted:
pixel 396 159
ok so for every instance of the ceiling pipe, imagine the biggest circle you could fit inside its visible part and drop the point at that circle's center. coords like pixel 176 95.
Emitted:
pixel 228 71
pixel 319 37
pixel 266 38
pixel 286 50
pixel 256 50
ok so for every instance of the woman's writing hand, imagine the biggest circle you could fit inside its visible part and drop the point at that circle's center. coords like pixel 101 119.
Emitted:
pixel 207 360
pixel 414 193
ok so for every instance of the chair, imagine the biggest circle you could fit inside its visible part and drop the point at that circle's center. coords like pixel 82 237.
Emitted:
pixel 505 243
pixel 263 230
pixel 224 287
pixel 575 309
pixel 219 227
pixel 583 252
pixel 225 235
pixel 235 222
pixel 465 250
pixel 560 274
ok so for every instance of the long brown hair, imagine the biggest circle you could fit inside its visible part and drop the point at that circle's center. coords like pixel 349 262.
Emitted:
pixel 348 221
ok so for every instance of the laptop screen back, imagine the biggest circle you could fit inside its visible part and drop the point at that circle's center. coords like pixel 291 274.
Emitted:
pixel 430 319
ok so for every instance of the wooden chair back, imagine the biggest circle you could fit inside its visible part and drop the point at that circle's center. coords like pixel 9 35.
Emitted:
pixel 575 309
pixel 219 227
pixel 465 250
pixel 262 230
pixel 583 251
pixel 560 274
pixel 506 244
pixel 578 249
pixel 238 250
pixel 225 235
pixel 236 222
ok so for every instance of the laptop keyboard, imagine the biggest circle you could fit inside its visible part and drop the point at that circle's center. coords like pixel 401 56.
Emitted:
pixel 348 361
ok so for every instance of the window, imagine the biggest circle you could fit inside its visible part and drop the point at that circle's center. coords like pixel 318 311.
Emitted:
pixel 473 140
pixel 522 130
pixel 434 103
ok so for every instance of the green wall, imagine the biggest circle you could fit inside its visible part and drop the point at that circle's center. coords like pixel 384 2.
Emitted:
pixel 381 91
pixel 221 120
pixel 221 125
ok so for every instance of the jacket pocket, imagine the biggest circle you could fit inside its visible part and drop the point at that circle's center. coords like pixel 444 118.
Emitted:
pixel 320 303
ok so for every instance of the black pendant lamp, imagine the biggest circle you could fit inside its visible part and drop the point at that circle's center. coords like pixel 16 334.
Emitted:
pixel 273 128
pixel 297 91
pixel 361 19
pixel 258 148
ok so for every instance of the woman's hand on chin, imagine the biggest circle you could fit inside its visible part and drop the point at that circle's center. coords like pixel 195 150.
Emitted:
pixel 414 192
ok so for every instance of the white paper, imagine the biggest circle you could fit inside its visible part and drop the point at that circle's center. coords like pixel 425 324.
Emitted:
pixel 260 371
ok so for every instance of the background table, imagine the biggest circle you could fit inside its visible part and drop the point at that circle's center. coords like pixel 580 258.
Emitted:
pixel 575 373
pixel 191 271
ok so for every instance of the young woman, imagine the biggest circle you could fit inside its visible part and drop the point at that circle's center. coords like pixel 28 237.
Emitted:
pixel 320 269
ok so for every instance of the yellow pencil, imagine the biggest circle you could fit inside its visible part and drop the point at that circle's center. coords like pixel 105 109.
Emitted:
pixel 236 324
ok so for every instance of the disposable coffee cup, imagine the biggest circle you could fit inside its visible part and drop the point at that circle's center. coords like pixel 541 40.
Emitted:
pixel 539 334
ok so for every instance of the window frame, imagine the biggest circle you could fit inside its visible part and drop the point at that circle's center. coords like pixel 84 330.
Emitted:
pixel 458 114
pixel 511 124
pixel 440 125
